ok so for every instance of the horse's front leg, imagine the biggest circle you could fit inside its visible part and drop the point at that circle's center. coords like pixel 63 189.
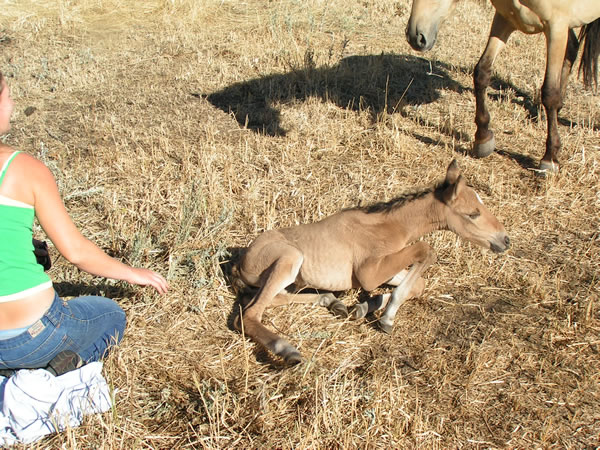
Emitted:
pixel 378 302
pixel 389 269
pixel 556 45
pixel 411 286
pixel 501 30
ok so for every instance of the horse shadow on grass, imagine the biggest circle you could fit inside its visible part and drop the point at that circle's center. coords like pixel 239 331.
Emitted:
pixel 373 83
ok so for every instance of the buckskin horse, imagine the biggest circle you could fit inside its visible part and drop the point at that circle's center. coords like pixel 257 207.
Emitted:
pixel 556 19
pixel 363 247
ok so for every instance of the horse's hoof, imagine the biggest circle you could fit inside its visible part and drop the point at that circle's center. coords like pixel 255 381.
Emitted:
pixel 548 167
pixel 327 300
pixel 386 328
pixel 338 309
pixel 483 149
pixel 293 358
pixel 360 310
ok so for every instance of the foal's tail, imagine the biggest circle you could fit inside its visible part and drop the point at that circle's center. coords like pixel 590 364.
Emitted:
pixel 243 291
pixel 590 36
pixel 237 284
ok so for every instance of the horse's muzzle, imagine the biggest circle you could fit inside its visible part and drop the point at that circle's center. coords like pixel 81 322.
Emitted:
pixel 502 246
pixel 419 40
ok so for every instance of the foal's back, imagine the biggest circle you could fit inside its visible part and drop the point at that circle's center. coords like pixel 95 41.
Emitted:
pixel 330 248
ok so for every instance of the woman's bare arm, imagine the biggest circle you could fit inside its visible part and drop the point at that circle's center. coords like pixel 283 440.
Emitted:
pixel 80 251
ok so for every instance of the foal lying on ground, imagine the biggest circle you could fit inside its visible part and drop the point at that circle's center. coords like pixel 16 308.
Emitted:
pixel 360 247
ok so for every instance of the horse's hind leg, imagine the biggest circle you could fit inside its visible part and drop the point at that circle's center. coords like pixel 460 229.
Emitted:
pixel 570 57
pixel 327 300
pixel 501 30
pixel 281 273
pixel 557 37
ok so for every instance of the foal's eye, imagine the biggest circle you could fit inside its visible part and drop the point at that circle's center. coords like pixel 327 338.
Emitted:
pixel 474 215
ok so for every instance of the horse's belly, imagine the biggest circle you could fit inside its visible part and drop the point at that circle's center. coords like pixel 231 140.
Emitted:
pixel 521 17
pixel 332 276
pixel 584 12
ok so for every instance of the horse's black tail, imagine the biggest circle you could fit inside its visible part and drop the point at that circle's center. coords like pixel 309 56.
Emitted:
pixel 590 36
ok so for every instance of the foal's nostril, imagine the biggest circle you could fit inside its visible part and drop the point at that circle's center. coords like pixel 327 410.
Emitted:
pixel 422 40
pixel 507 241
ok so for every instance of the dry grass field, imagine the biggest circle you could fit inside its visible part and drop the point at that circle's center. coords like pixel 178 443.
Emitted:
pixel 178 130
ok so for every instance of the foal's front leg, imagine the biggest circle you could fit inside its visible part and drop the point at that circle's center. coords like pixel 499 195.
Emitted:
pixel 412 286
pixel 389 270
pixel 380 301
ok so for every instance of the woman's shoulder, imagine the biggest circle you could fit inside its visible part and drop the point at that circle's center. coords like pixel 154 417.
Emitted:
pixel 5 152
pixel 23 162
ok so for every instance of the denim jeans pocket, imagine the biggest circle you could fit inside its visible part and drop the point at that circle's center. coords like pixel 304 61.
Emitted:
pixel 36 351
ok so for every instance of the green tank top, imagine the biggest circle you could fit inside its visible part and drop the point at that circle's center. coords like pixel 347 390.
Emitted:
pixel 20 274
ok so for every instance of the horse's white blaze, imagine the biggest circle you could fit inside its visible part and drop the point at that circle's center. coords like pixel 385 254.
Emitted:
pixel 478 198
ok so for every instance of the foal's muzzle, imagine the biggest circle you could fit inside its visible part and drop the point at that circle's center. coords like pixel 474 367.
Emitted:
pixel 501 246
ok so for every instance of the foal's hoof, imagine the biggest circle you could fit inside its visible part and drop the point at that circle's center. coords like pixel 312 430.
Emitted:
pixel 293 358
pixel 360 310
pixel 483 149
pixel 386 328
pixel 338 309
pixel 548 167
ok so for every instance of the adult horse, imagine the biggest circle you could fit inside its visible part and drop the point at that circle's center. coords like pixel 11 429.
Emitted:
pixel 556 19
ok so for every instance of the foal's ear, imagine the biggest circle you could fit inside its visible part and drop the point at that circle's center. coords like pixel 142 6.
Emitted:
pixel 453 190
pixel 453 172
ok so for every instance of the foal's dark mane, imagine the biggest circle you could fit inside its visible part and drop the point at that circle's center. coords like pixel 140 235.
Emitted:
pixel 389 206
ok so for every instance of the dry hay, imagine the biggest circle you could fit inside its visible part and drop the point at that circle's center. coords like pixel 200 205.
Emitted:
pixel 179 130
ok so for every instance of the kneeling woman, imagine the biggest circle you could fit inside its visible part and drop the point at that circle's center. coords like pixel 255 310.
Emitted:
pixel 36 326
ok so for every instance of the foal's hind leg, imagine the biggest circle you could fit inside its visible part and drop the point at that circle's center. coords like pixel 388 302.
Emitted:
pixel 327 300
pixel 280 274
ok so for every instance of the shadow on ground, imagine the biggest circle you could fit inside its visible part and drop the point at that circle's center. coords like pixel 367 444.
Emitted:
pixel 67 289
pixel 374 83
pixel 382 83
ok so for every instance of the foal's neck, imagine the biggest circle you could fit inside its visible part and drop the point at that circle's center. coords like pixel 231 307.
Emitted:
pixel 418 217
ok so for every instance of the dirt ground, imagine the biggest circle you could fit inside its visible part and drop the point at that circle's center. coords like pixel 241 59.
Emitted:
pixel 179 130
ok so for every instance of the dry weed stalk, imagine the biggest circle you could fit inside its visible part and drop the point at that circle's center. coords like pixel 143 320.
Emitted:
pixel 178 130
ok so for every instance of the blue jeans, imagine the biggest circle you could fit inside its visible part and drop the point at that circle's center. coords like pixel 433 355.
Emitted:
pixel 86 325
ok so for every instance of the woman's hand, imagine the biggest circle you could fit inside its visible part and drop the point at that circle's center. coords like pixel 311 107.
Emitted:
pixel 146 277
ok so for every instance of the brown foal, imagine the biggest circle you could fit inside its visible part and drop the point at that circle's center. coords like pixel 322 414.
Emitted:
pixel 360 248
